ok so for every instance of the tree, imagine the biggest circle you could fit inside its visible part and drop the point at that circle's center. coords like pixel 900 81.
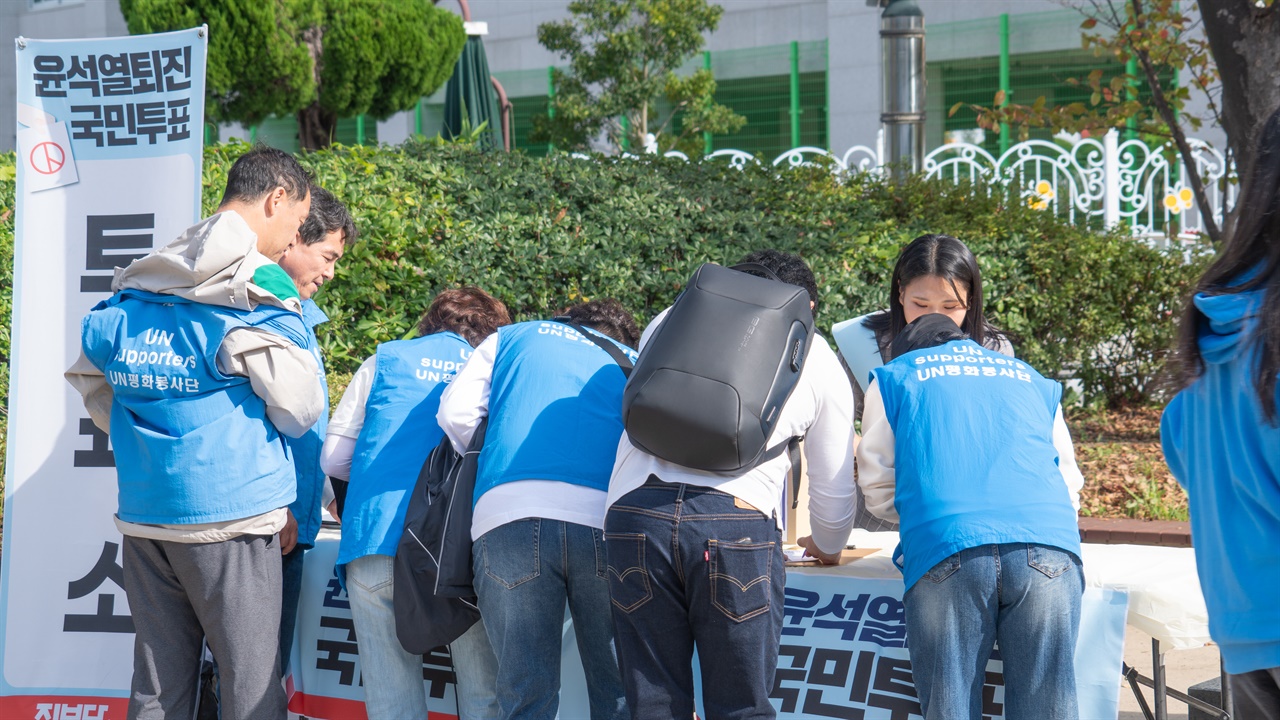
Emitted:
pixel 320 59
pixel 255 65
pixel 1234 65
pixel 623 61
pixel 1245 40
pixel 1155 33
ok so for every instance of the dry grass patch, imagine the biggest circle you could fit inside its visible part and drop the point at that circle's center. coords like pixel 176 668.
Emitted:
pixel 1123 466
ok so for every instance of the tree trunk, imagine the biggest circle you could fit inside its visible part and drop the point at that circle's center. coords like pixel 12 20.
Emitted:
pixel 1165 110
pixel 316 127
pixel 1245 41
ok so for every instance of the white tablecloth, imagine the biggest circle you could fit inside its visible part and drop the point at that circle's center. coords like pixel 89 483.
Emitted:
pixel 1164 591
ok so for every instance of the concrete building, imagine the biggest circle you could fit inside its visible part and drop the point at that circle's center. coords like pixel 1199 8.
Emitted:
pixel 833 47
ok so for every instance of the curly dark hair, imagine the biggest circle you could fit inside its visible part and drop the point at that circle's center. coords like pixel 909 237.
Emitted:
pixel 609 317
pixel 468 311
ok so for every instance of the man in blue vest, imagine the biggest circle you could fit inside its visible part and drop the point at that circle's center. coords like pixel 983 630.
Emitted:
pixel 322 240
pixel 553 396
pixel 968 447
pixel 197 368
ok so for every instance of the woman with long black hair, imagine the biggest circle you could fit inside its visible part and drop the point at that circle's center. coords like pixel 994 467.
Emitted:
pixel 1221 437
pixel 934 274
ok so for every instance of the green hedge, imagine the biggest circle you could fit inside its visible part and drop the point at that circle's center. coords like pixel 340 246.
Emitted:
pixel 541 233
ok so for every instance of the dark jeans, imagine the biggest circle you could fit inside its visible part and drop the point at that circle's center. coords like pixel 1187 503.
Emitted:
pixel 692 566
pixel 527 571
pixel 291 593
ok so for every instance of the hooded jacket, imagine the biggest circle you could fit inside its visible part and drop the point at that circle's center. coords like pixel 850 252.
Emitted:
pixel 1221 448
pixel 235 316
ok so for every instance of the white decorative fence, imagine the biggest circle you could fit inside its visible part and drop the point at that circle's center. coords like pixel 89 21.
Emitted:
pixel 1104 183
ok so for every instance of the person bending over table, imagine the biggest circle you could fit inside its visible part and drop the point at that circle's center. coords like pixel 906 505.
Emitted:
pixel 969 449
pixel 383 430
pixel 933 274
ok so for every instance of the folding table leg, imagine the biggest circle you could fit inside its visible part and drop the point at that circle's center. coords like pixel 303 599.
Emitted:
pixel 1228 701
pixel 1161 698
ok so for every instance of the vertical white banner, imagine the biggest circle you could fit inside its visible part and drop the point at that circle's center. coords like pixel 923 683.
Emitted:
pixel 110 143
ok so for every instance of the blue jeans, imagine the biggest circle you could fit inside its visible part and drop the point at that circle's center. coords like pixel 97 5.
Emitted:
pixel 1026 598
pixel 525 572
pixel 393 685
pixel 694 566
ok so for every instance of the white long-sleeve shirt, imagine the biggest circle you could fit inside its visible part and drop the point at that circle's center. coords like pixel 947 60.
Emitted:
pixel 877 477
pixel 821 410
pixel 348 419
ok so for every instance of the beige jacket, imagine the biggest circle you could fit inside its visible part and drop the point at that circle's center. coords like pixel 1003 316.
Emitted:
pixel 216 262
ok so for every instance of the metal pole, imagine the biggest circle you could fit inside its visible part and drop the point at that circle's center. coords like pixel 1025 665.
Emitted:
pixel 1159 699
pixel 706 136
pixel 795 94
pixel 1111 179
pixel 253 134
pixel 417 118
pixel 903 85
pixel 1226 696
pixel 625 122
pixel 551 97
pixel 360 129
pixel 1004 78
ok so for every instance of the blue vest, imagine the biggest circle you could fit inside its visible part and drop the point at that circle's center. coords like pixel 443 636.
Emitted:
pixel 192 445
pixel 555 408
pixel 306 449
pixel 974 456
pixel 399 432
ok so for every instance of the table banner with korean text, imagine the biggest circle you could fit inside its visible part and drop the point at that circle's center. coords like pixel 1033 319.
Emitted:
pixel 843 652
pixel 110 142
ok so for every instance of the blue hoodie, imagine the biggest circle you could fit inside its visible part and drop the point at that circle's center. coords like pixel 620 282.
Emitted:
pixel 1222 450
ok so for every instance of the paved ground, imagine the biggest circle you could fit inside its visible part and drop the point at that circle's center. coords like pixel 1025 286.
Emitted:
pixel 1183 669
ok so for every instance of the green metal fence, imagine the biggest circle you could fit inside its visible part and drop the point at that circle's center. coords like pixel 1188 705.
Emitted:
pixel 780 89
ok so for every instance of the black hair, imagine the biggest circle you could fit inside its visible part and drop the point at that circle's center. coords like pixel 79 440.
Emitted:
pixel 468 311
pixel 937 256
pixel 927 331
pixel 327 214
pixel 607 316
pixel 261 171
pixel 790 269
pixel 1250 260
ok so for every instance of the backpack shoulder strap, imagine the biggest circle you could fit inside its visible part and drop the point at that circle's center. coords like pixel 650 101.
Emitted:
pixel 618 356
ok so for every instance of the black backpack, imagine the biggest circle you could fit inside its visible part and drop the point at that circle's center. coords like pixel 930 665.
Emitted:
pixel 434 596
pixel 710 383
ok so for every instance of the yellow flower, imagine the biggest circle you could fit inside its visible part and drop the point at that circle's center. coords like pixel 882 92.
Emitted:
pixel 1178 199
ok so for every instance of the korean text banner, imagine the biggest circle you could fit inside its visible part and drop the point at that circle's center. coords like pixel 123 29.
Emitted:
pixel 109 160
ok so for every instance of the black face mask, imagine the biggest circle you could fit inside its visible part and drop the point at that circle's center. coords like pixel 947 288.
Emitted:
pixel 925 332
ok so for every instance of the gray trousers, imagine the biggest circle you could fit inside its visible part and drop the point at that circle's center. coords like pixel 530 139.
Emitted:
pixel 225 593
pixel 1257 694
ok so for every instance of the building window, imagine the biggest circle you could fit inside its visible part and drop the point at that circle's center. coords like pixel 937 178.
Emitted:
pixel 44 4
